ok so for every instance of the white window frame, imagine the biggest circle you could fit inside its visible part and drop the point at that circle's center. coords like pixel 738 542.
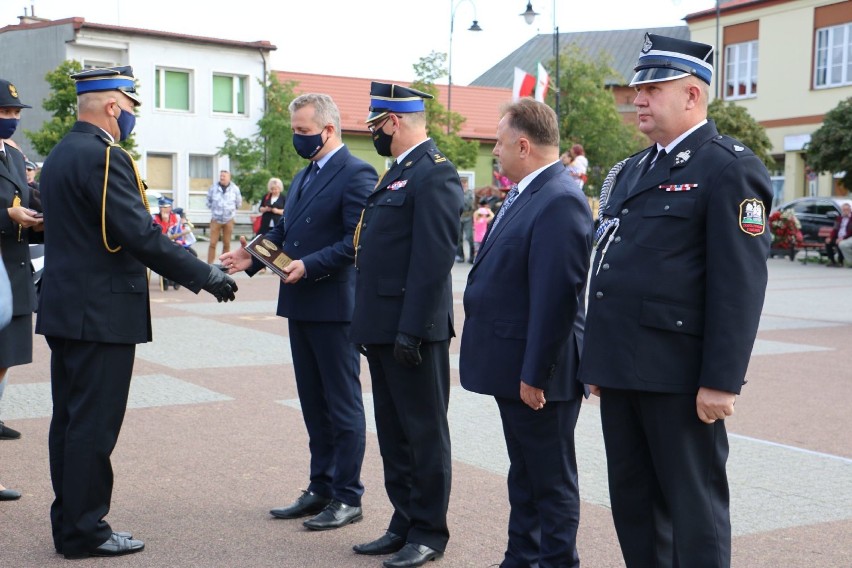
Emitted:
pixel 160 72
pixel 235 79
pixel 741 61
pixel 829 56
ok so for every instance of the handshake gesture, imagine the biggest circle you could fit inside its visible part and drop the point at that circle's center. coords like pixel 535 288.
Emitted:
pixel 220 284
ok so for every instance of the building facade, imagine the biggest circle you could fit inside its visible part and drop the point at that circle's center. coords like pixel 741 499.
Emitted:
pixel 192 90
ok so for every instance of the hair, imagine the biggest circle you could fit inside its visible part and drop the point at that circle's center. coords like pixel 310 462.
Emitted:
pixel 325 111
pixel 415 118
pixel 534 120
pixel 577 150
pixel 275 181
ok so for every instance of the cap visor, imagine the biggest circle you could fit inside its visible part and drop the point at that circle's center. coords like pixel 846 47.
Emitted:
pixel 133 97
pixel 374 116
pixel 656 75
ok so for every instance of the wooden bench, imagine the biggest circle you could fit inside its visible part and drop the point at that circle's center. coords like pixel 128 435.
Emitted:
pixel 817 246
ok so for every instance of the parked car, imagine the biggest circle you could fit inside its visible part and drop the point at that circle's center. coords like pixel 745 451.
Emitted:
pixel 814 213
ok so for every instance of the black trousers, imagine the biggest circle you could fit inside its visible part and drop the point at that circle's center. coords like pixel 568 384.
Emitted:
pixel 543 490
pixel 667 481
pixel 414 439
pixel 328 369
pixel 90 383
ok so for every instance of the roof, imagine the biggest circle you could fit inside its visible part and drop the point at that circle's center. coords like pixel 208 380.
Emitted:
pixel 82 24
pixel 622 46
pixel 479 105
pixel 730 7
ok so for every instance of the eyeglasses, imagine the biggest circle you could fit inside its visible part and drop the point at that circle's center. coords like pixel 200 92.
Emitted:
pixel 373 127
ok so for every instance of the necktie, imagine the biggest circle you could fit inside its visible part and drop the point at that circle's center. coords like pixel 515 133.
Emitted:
pixel 4 159
pixel 510 199
pixel 310 173
pixel 660 155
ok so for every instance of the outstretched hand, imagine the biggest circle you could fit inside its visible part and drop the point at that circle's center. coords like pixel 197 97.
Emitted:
pixel 237 260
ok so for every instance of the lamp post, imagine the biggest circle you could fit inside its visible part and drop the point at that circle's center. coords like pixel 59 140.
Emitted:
pixel 474 27
pixel 529 17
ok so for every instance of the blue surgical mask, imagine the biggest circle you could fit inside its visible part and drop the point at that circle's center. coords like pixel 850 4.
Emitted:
pixel 126 122
pixel 307 145
pixel 8 127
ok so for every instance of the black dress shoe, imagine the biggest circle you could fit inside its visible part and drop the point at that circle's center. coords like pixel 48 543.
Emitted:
pixel 388 543
pixel 124 534
pixel 309 503
pixel 412 555
pixel 334 516
pixel 116 545
pixel 9 495
pixel 7 433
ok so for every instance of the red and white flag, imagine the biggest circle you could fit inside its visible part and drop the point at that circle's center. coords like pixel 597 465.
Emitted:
pixel 525 84
pixel 541 84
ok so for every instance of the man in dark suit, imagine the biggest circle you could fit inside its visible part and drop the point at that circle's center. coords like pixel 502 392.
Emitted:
pixel 404 252
pixel 675 297
pixel 317 298
pixel 19 224
pixel 523 309
pixel 94 307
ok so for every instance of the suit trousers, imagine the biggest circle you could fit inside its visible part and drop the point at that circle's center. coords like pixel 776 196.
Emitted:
pixel 667 480
pixel 414 439
pixel 328 368
pixel 227 230
pixel 544 494
pixel 90 383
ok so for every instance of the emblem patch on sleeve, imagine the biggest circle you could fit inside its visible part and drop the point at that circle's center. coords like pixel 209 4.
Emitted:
pixel 752 217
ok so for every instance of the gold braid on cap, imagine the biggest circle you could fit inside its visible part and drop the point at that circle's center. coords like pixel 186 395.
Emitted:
pixel 139 184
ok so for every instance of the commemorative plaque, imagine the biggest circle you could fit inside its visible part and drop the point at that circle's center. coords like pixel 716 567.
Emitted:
pixel 269 254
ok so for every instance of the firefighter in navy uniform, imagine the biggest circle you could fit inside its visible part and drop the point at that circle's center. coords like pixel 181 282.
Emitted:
pixel 678 280
pixel 404 251
pixel 94 306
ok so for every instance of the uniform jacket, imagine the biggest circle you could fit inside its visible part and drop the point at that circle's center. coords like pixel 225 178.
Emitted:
pixel 16 254
pixel 675 300
pixel 89 293
pixel 318 227
pixel 406 249
pixel 523 301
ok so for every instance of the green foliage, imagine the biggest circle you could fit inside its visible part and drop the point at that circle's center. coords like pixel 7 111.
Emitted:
pixel 63 104
pixel 830 148
pixel 269 153
pixel 460 152
pixel 588 114
pixel 735 121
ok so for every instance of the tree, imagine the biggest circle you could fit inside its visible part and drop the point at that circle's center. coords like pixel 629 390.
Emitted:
pixel 735 121
pixel 588 115
pixel 460 152
pixel 63 104
pixel 830 148
pixel 269 153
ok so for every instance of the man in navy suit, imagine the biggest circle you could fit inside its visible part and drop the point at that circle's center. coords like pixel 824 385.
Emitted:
pixel 523 308
pixel 674 303
pixel 317 298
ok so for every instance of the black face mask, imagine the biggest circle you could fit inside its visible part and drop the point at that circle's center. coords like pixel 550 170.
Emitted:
pixel 382 142
pixel 307 145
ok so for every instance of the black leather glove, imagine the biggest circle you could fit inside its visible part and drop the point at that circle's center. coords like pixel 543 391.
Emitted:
pixel 406 350
pixel 220 285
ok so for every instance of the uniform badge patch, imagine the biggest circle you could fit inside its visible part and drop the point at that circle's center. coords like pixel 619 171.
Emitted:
pixel 397 185
pixel 438 158
pixel 678 187
pixel 738 148
pixel 13 91
pixel 752 217
pixel 683 157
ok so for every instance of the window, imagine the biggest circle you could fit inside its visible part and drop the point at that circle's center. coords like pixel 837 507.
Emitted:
pixel 200 172
pixel 229 94
pixel 92 64
pixel 741 70
pixel 172 89
pixel 833 56
pixel 159 173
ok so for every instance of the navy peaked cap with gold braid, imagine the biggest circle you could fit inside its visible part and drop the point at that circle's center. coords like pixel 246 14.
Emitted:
pixel 108 79
pixel 387 97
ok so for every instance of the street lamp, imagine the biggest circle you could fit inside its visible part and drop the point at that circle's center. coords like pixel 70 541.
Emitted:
pixel 529 17
pixel 474 27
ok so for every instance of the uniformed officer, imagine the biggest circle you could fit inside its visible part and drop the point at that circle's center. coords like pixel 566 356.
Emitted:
pixel 677 286
pixel 94 305
pixel 404 251
pixel 19 224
